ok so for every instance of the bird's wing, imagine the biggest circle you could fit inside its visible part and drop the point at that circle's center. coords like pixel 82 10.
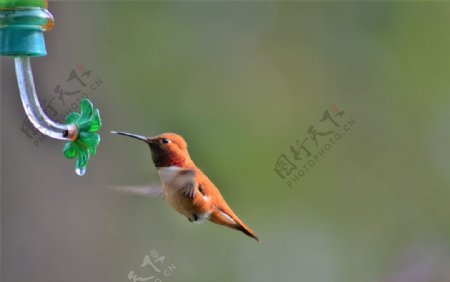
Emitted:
pixel 154 190
pixel 180 179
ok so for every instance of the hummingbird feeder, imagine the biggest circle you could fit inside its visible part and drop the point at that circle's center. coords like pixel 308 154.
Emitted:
pixel 22 26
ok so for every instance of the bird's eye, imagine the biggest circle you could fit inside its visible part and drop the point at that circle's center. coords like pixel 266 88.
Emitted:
pixel 165 141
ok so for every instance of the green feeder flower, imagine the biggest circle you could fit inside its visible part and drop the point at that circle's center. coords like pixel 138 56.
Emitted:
pixel 85 143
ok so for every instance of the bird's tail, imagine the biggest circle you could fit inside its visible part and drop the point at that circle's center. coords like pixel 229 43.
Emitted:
pixel 229 219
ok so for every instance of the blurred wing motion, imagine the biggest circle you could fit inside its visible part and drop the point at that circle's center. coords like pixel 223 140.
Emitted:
pixel 179 179
pixel 155 190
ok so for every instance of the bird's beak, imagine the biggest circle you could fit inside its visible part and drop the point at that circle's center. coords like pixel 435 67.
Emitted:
pixel 143 138
pixel 154 139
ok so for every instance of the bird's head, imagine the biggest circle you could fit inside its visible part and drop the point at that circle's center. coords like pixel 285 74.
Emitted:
pixel 168 149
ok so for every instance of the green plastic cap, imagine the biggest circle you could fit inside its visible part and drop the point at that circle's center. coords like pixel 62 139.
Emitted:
pixel 21 30
pixel 13 4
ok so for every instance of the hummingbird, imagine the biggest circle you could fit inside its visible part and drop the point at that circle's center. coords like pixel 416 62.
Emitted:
pixel 184 186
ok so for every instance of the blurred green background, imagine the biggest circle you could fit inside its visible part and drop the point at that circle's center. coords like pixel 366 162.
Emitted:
pixel 241 82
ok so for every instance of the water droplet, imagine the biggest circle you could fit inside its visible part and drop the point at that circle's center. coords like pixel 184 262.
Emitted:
pixel 80 171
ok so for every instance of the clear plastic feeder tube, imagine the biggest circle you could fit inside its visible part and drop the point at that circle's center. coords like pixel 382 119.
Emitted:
pixel 32 107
